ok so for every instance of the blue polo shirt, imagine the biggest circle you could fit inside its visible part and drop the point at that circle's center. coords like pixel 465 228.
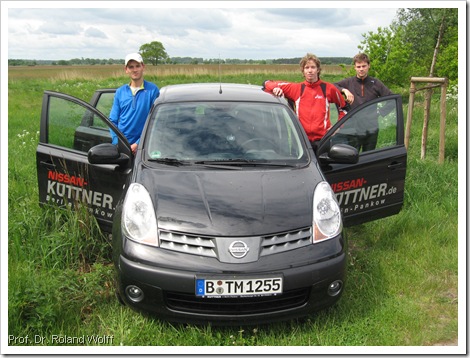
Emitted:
pixel 130 111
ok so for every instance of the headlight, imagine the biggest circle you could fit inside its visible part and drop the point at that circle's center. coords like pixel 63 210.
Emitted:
pixel 138 216
pixel 327 221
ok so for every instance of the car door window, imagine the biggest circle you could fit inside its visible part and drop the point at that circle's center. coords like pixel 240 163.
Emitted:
pixel 373 127
pixel 75 127
pixel 104 105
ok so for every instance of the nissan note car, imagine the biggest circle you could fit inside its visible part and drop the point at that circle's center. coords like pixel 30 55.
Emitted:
pixel 226 214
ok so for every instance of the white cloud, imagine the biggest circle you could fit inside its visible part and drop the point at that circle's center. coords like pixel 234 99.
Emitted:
pixel 94 32
pixel 244 30
pixel 59 28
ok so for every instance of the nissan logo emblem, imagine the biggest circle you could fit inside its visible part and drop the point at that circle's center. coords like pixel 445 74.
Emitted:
pixel 238 249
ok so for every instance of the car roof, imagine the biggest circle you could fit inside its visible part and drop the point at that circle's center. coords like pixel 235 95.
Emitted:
pixel 216 92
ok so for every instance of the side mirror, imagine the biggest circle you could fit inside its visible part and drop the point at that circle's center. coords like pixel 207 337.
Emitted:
pixel 340 154
pixel 106 153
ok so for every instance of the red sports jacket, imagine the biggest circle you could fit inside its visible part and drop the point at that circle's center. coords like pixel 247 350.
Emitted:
pixel 312 108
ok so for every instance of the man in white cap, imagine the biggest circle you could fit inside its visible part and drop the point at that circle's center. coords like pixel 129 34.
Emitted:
pixel 132 102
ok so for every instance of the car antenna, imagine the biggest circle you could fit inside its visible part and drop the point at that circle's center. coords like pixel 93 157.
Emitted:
pixel 220 78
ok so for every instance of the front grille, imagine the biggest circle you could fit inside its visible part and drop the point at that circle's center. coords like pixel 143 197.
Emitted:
pixel 207 245
pixel 186 243
pixel 286 241
pixel 236 306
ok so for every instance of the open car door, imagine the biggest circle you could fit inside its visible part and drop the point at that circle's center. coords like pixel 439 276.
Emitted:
pixel 372 188
pixel 69 128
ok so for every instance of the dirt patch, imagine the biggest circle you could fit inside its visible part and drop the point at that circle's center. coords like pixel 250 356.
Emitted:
pixel 454 342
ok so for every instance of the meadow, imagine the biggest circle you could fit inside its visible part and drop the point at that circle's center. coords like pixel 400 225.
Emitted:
pixel 403 276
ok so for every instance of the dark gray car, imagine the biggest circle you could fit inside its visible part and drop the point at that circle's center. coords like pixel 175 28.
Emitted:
pixel 225 214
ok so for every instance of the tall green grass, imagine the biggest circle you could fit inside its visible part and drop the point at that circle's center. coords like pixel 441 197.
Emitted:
pixel 402 271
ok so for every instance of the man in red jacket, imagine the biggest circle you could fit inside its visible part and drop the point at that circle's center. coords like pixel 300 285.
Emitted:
pixel 312 98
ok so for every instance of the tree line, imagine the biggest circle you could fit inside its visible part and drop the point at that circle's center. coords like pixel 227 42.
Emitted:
pixel 74 61
pixel 176 61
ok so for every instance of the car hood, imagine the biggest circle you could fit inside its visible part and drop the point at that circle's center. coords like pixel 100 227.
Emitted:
pixel 231 202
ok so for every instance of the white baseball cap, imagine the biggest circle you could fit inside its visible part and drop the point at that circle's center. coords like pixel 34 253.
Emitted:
pixel 133 56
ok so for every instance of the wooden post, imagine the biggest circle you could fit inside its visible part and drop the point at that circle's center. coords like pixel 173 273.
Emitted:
pixel 442 135
pixel 427 113
pixel 410 113
pixel 442 82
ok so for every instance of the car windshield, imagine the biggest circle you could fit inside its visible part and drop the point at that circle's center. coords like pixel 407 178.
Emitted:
pixel 224 132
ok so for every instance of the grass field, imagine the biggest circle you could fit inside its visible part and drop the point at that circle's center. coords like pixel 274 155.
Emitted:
pixel 403 279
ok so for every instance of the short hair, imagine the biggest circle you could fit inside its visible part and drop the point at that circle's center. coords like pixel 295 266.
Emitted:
pixel 361 57
pixel 310 57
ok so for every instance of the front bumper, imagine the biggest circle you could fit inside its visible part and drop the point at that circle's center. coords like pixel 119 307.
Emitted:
pixel 169 292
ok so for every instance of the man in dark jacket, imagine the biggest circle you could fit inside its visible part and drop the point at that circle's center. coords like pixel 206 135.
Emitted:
pixel 358 90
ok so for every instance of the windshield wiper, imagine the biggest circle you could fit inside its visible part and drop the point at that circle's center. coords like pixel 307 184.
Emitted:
pixel 243 161
pixel 176 162
pixel 169 161
pixel 234 161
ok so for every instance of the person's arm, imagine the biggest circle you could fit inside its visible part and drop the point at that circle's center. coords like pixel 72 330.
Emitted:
pixel 277 88
pixel 334 96
pixel 155 91
pixel 382 89
pixel 343 88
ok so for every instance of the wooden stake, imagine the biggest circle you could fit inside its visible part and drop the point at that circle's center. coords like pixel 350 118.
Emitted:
pixel 410 114
pixel 427 113
pixel 442 135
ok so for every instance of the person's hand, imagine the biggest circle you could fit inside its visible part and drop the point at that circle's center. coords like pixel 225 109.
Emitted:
pixel 278 92
pixel 134 148
pixel 349 96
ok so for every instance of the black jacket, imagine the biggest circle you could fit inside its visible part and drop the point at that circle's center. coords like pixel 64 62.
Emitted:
pixel 363 89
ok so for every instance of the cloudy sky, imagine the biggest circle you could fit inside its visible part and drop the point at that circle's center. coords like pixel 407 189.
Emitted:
pixel 243 30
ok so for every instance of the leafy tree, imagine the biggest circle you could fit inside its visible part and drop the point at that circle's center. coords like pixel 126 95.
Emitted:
pixel 447 62
pixel 389 55
pixel 419 42
pixel 153 52
pixel 431 32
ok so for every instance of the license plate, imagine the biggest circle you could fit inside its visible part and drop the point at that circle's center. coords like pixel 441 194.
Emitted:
pixel 230 287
